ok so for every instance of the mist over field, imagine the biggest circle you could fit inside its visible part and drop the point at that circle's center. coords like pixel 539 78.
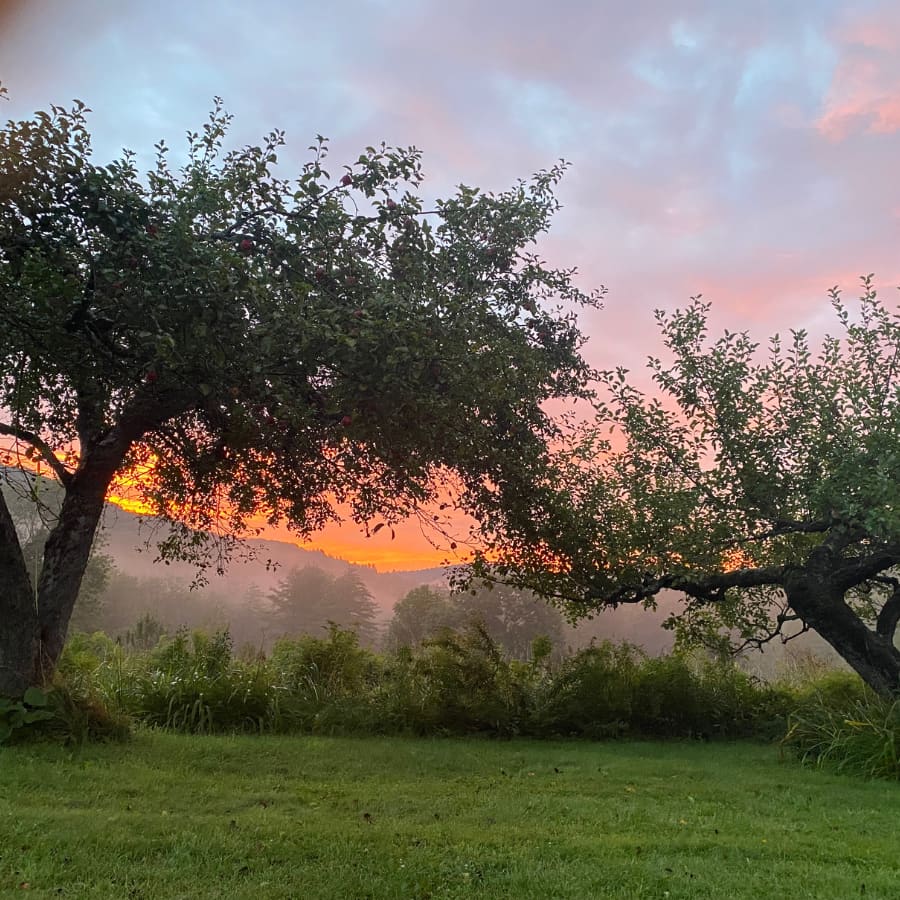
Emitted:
pixel 177 595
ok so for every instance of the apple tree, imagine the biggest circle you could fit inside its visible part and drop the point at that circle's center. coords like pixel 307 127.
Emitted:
pixel 264 348
pixel 761 484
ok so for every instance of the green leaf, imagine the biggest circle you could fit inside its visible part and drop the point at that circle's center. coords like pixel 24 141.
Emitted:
pixel 35 697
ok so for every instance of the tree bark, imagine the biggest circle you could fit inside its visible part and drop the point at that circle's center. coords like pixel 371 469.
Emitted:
pixel 820 603
pixel 66 555
pixel 20 664
pixel 32 636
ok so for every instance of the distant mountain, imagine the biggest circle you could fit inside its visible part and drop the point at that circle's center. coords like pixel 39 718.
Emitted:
pixel 131 541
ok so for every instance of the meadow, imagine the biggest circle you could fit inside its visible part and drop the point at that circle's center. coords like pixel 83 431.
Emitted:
pixel 169 815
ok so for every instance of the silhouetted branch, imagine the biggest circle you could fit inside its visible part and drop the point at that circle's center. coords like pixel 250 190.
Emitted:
pixel 29 437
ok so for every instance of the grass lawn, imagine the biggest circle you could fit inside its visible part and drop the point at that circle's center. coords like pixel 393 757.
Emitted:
pixel 168 816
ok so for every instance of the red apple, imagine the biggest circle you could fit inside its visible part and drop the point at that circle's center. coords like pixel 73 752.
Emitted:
pixel 347 420
pixel 347 180
pixel 151 377
pixel 391 205
pixel 320 272
pixel 358 313
pixel 152 230
pixel 246 245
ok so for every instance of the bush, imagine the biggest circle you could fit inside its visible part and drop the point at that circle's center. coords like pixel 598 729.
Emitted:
pixel 842 724
pixel 592 693
pixel 457 683
pixel 325 685
pixel 612 690
pixel 460 683
pixel 81 715
pixel 193 684
pixel 18 715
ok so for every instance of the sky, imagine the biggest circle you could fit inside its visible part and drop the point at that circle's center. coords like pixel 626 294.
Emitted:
pixel 748 151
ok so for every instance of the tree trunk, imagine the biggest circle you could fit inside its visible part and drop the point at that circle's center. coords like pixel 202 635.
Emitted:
pixel 66 555
pixel 821 605
pixel 20 663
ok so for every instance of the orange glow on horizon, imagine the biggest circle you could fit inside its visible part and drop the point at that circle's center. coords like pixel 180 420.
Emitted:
pixel 409 549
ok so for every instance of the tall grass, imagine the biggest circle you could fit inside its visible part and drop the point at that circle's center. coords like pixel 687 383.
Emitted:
pixel 841 724
pixel 461 683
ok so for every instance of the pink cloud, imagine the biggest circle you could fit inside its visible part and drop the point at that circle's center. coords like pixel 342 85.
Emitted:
pixel 864 94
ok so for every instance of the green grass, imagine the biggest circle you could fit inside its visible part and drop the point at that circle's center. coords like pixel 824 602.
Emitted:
pixel 172 816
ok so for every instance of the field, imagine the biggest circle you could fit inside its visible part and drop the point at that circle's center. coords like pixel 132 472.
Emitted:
pixel 170 816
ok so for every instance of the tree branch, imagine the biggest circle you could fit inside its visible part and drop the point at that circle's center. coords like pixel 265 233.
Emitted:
pixel 784 616
pixel 889 617
pixel 781 529
pixel 29 437
pixel 857 570
pixel 707 588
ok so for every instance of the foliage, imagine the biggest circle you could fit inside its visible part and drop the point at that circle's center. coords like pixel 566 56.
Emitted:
pixel 513 618
pixel 764 488
pixel 842 725
pixel 422 613
pixel 457 683
pixel 193 684
pixel 609 690
pixel 146 634
pixel 238 346
pixel 324 685
pixel 18 714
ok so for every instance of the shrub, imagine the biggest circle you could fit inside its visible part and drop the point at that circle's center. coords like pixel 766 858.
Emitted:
pixel 324 685
pixel 611 690
pixel 591 693
pixel 19 714
pixel 842 724
pixel 460 683
pixel 193 684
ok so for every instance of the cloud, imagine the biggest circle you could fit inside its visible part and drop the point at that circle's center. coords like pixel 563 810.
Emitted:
pixel 743 150
pixel 865 93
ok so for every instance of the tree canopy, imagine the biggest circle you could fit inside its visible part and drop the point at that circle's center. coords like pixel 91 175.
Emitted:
pixel 763 484
pixel 265 348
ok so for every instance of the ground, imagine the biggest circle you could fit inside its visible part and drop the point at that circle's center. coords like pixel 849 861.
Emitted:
pixel 166 816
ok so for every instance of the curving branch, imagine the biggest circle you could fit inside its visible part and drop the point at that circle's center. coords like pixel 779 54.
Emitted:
pixel 710 588
pixel 776 631
pixel 47 454
pixel 889 617
pixel 859 569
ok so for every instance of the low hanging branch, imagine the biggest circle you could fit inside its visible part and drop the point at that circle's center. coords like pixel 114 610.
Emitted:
pixel 763 487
